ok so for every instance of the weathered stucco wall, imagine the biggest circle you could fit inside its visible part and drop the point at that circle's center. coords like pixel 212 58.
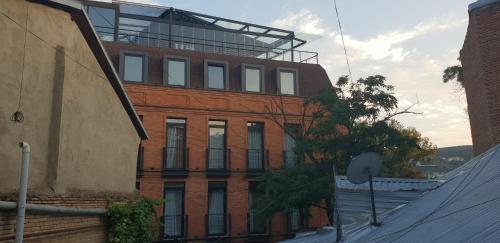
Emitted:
pixel 80 134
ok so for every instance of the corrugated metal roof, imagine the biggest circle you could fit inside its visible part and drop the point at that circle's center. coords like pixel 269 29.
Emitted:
pixel 466 208
pixel 390 184
pixel 481 3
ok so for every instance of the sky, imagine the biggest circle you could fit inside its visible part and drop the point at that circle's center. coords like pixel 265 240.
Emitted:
pixel 408 42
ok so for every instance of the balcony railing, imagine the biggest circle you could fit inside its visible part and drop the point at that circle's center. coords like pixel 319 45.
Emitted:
pixel 218 161
pixel 159 40
pixel 175 226
pixel 218 224
pixel 175 161
pixel 290 158
pixel 257 224
pixel 257 161
pixel 140 161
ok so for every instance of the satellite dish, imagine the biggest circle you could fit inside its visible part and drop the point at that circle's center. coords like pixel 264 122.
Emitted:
pixel 362 169
pixel 362 166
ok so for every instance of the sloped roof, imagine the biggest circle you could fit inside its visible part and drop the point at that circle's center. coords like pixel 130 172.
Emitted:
pixel 465 208
pixel 390 184
pixel 75 8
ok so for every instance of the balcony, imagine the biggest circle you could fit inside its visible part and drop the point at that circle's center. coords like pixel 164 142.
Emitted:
pixel 257 162
pixel 165 27
pixel 257 225
pixel 290 158
pixel 218 225
pixel 175 161
pixel 175 227
pixel 140 161
pixel 218 162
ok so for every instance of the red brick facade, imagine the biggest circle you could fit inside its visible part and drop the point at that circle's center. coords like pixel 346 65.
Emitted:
pixel 480 57
pixel 155 103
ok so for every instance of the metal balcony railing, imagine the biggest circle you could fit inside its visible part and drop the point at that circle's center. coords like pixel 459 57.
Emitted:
pixel 175 226
pixel 257 160
pixel 218 224
pixel 218 159
pixel 290 158
pixel 140 161
pixel 257 224
pixel 175 161
pixel 160 40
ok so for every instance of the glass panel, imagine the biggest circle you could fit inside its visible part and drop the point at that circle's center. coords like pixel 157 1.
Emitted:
pixel 217 145
pixel 294 220
pixel 256 222
pixel 255 146
pixel 103 20
pixel 252 77
pixel 287 82
pixel 216 212
pixel 174 214
pixel 176 133
pixel 216 77
pixel 133 68
pixel 289 154
pixel 176 72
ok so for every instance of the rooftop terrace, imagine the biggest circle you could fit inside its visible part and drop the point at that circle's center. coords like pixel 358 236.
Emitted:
pixel 166 27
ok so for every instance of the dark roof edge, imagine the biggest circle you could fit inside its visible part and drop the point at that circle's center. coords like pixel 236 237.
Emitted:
pixel 481 3
pixel 82 20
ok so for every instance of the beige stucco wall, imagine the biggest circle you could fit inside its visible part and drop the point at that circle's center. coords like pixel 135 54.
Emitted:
pixel 80 134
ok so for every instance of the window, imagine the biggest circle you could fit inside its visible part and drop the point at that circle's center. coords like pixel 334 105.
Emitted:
pixel 133 67
pixel 289 155
pixel 217 152
pixel 175 152
pixel 103 20
pixel 216 218
pixel 216 75
pixel 256 223
pixel 287 81
pixel 295 220
pixel 174 210
pixel 252 78
pixel 176 71
pixel 255 154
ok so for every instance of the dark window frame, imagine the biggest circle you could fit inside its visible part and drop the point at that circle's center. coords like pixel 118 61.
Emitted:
pixel 213 186
pixel 225 131
pixel 145 65
pixel 262 82
pixel 178 186
pixel 187 70
pixel 224 64
pixel 295 81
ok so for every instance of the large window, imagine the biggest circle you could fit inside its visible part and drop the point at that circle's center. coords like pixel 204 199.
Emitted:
pixel 253 78
pixel 287 81
pixel 174 210
pixel 176 71
pixel 257 224
pixel 289 155
pixel 255 154
pixel 175 151
pixel 216 75
pixel 217 152
pixel 133 67
pixel 216 218
pixel 103 20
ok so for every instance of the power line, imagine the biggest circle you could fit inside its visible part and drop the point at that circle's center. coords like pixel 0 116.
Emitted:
pixel 342 37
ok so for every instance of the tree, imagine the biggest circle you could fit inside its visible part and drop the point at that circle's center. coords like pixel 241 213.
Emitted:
pixel 454 73
pixel 338 124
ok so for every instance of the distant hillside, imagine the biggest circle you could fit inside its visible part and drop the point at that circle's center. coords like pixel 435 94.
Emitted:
pixel 447 159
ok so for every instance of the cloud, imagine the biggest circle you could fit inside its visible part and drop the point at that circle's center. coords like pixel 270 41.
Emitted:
pixel 304 22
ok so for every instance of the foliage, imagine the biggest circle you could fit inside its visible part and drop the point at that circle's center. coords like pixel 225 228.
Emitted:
pixel 132 222
pixel 454 73
pixel 347 120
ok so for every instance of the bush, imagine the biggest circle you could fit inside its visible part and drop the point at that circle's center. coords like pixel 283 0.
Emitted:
pixel 132 222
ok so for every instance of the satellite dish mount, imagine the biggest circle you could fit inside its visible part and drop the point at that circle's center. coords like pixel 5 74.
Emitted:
pixel 361 170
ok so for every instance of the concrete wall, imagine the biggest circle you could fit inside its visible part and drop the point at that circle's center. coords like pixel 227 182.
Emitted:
pixel 480 58
pixel 81 136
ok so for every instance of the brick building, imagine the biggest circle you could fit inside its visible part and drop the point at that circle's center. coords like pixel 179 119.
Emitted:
pixel 480 57
pixel 210 92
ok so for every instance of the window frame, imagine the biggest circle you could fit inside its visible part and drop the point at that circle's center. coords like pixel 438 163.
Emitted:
pixel 225 131
pixel 262 82
pixel 214 186
pixel 295 81
pixel 177 186
pixel 224 64
pixel 145 65
pixel 187 70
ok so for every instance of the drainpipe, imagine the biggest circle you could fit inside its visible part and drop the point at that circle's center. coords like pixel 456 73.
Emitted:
pixel 23 190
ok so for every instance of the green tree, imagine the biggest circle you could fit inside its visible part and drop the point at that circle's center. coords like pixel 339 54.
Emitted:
pixel 454 73
pixel 347 120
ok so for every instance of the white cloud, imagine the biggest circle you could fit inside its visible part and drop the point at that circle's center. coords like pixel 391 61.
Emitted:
pixel 302 22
